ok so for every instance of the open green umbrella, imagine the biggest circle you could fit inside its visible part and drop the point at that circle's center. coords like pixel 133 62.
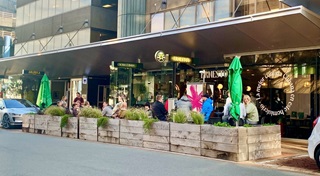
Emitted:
pixel 235 86
pixel 44 99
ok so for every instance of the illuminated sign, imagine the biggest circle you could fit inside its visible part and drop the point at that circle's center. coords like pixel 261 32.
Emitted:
pixel 32 72
pixel 215 74
pixel 180 59
pixel 127 65
pixel 160 56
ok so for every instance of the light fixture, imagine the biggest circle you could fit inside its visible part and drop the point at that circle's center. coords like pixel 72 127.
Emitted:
pixel 220 86
pixel 107 6
pixel 248 89
pixel 307 84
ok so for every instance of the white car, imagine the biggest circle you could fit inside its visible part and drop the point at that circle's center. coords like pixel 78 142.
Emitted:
pixel 314 143
pixel 11 111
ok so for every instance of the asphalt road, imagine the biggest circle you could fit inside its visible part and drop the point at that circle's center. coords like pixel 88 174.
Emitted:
pixel 25 154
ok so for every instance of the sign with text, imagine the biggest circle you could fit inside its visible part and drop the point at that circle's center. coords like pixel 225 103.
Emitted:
pixel 32 72
pixel 180 59
pixel 127 65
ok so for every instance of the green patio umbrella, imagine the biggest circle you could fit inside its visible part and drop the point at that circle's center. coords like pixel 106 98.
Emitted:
pixel 235 86
pixel 44 99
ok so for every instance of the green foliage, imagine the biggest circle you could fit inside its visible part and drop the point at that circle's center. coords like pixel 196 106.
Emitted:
pixel 64 120
pixel 179 117
pixel 222 124
pixel 197 117
pixel 135 114
pixel 90 112
pixel 55 111
pixel 102 121
pixel 268 124
pixel 247 125
pixel 147 123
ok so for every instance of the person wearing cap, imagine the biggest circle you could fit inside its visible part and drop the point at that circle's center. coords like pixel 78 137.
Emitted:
pixel 207 107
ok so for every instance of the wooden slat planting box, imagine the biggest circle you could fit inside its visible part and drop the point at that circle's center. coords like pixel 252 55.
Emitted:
pixel 224 143
pixel 264 142
pixel 41 124
pixel 158 137
pixel 185 138
pixel 131 133
pixel 28 123
pixel 110 133
pixel 71 129
pixel 54 128
pixel 88 129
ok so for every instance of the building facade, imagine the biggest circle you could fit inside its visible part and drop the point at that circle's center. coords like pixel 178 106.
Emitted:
pixel 7 25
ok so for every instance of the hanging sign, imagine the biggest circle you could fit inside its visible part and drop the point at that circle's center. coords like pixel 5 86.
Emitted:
pixel 127 65
pixel 32 72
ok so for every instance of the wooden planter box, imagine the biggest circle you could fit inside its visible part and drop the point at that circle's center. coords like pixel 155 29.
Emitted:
pixel 71 129
pixel 131 133
pixel 158 137
pixel 185 138
pixel 88 129
pixel 224 143
pixel 53 126
pixel 110 133
pixel 41 124
pixel 28 123
pixel 264 142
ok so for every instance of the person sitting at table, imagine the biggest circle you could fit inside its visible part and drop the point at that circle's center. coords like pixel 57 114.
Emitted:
pixel 252 116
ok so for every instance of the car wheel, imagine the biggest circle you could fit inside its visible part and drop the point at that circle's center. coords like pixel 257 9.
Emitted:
pixel 6 121
pixel 317 157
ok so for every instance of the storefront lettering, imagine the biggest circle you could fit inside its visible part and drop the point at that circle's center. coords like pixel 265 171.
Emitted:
pixel 215 74
pixel 285 78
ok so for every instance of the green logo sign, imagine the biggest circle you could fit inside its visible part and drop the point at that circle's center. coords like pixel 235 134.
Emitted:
pixel 160 56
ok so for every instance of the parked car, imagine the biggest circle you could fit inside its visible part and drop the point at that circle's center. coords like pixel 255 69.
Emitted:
pixel 314 142
pixel 11 111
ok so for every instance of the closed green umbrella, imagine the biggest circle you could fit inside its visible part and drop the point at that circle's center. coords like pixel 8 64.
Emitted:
pixel 235 86
pixel 44 99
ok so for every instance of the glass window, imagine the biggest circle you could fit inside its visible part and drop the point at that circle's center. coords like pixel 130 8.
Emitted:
pixel 64 40
pixel 26 14
pixel 59 6
pixel 188 16
pixel 36 46
pixel 157 22
pixel 222 9
pixel 29 47
pixel 204 13
pixel 265 6
pixel 38 10
pixel 83 36
pixel 50 44
pixel 20 16
pixel 45 8
pixel 170 19
pixel 43 43
pixel 75 4
pixel 84 3
pixel 52 8
pixel 57 42
pixel 17 49
pixel 66 6
pixel 32 14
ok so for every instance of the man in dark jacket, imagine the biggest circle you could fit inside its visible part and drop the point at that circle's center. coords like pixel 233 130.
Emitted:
pixel 158 109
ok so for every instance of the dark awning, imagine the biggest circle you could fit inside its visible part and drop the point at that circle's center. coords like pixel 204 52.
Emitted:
pixel 289 29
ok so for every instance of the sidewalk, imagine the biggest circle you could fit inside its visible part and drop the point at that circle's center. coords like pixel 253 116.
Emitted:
pixel 294 158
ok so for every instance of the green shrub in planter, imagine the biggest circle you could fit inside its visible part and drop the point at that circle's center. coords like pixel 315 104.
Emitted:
pixel 134 114
pixel 55 111
pixel 179 117
pixel 147 123
pixel 90 112
pixel 102 121
pixel 197 117
pixel 222 124
pixel 64 120
pixel 247 125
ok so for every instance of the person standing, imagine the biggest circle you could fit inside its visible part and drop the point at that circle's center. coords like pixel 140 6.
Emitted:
pixel 64 101
pixel 79 98
pixel 207 107
pixel 158 109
